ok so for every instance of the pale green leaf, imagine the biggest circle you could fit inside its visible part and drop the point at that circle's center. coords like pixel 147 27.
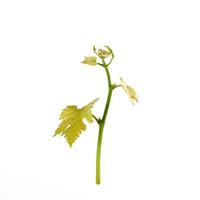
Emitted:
pixel 91 60
pixel 131 93
pixel 72 123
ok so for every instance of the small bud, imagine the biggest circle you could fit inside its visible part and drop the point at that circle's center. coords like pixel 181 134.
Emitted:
pixel 103 53
pixel 91 60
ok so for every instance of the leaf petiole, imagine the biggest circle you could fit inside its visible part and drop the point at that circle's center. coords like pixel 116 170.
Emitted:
pixel 96 119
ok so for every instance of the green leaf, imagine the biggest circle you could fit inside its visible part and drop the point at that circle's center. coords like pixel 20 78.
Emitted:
pixel 72 123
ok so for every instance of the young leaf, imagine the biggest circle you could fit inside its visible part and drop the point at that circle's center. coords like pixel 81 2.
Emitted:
pixel 91 60
pixel 129 91
pixel 72 121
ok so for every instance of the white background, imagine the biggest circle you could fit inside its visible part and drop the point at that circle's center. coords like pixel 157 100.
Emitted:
pixel 150 150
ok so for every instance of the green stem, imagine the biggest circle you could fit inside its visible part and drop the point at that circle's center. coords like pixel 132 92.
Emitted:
pixel 101 127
